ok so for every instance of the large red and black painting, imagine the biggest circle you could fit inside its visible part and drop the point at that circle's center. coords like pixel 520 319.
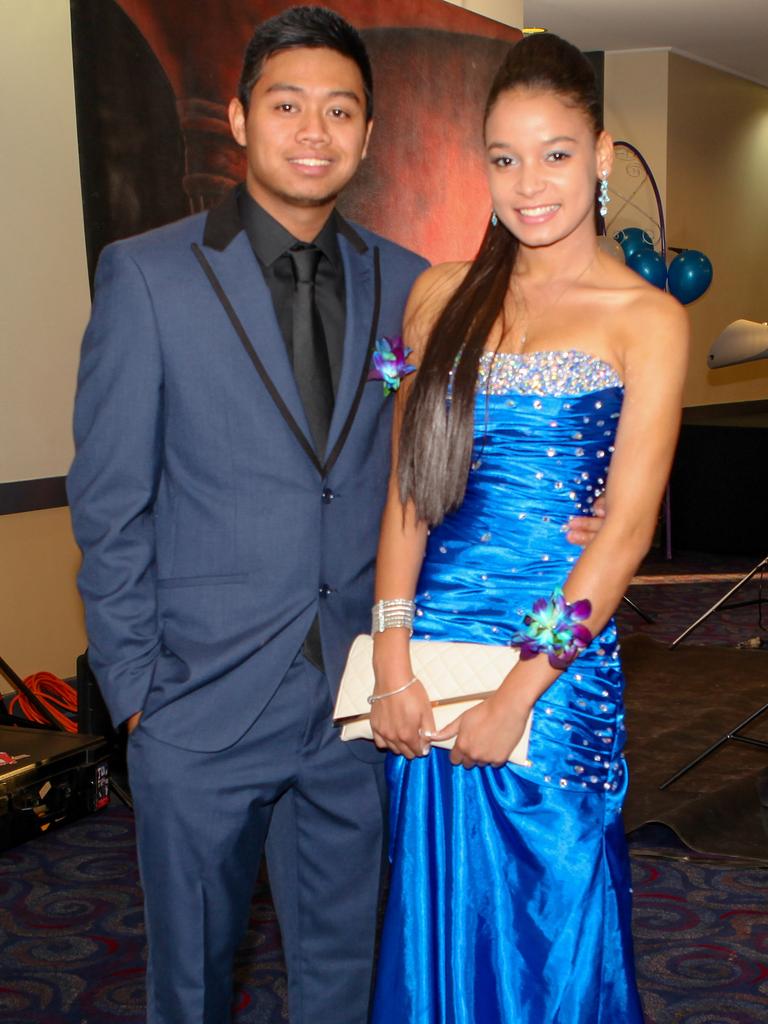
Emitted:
pixel 153 79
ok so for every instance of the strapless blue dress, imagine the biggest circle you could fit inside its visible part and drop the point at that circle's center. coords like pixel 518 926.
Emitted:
pixel 509 898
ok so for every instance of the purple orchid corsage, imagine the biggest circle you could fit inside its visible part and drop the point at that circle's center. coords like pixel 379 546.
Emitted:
pixel 554 628
pixel 389 363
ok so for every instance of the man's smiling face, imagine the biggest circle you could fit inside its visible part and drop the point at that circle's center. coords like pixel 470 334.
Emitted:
pixel 305 130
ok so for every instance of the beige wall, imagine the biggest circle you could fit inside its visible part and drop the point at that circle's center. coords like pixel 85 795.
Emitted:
pixel 508 12
pixel 45 298
pixel 704 133
pixel 718 203
pixel 636 111
pixel 43 308
pixel 41 622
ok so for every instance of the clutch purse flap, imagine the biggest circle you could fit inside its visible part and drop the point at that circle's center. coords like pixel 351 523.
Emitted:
pixel 456 676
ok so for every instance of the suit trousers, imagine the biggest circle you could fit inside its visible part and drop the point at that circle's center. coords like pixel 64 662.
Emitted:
pixel 203 820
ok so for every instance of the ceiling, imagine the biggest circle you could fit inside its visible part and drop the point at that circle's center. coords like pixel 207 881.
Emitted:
pixel 731 34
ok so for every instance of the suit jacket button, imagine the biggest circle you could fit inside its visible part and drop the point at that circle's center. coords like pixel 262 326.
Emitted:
pixel 325 590
pixel 327 495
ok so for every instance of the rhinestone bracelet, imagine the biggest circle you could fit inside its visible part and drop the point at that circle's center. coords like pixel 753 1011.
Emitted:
pixel 396 613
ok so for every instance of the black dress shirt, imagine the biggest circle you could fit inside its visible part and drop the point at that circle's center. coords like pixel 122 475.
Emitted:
pixel 270 242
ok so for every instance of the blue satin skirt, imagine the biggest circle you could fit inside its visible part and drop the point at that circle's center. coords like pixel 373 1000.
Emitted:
pixel 509 902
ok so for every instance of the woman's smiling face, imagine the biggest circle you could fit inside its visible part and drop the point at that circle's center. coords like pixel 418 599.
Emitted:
pixel 543 161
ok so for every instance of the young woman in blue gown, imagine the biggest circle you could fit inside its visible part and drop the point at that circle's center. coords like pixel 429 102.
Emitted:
pixel 541 363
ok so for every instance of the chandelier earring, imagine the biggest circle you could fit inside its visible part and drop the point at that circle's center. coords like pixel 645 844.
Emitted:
pixel 604 197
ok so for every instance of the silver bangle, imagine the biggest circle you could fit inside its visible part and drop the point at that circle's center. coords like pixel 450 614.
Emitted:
pixel 395 613
pixel 374 697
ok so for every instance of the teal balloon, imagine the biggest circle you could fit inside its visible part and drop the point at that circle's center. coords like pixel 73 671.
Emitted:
pixel 650 265
pixel 633 239
pixel 689 275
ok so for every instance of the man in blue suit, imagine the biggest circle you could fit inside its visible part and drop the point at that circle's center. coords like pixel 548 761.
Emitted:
pixel 230 473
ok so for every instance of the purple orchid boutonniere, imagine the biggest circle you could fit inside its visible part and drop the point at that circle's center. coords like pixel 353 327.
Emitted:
pixel 389 363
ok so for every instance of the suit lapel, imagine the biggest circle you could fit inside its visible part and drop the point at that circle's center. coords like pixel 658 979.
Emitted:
pixel 227 259
pixel 363 290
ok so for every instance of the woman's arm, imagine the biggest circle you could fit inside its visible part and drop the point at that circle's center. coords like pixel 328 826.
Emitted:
pixel 654 363
pixel 397 720
pixel 400 722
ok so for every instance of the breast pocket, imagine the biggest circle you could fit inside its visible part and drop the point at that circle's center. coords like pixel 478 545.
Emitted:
pixel 201 581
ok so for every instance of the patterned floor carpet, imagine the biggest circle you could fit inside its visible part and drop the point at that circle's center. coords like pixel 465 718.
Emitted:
pixel 701 941
pixel 72 939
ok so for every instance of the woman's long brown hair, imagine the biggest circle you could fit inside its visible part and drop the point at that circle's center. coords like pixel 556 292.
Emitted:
pixel 437 433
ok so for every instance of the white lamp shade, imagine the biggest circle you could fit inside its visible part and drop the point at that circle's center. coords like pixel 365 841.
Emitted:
pixel 740 342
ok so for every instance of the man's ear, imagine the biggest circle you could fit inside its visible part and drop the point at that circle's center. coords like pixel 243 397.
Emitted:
pixel 237 121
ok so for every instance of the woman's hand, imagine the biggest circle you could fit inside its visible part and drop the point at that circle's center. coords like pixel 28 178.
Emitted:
pixel 401 722
pixel 487 733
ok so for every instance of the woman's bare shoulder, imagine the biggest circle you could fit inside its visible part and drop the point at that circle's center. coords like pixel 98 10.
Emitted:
pixel 651 311
pixel 642 309
pixel 430 292
pixel 655 336
pixel 435 285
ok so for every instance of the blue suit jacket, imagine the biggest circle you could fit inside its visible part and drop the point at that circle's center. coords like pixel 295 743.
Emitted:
pixel 211 533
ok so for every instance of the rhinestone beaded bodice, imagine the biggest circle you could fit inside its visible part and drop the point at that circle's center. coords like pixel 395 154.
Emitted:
pixel 557 372
pixel 545 424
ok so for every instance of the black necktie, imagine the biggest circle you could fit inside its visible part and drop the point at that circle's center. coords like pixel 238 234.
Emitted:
pixel 310 352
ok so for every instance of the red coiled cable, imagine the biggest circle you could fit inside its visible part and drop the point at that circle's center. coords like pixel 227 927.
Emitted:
pixel 58 696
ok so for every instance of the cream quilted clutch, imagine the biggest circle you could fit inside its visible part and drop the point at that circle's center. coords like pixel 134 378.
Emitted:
pixel 457 676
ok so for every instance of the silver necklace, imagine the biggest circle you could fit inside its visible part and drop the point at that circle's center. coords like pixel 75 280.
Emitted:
pixel 569 284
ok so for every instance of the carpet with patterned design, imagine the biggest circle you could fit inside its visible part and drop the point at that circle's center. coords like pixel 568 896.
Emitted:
pixel 72 937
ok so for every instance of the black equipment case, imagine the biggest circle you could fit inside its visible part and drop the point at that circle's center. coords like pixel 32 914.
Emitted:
pixel 47 778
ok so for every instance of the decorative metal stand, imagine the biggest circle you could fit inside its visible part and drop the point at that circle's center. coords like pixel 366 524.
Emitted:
pixel 761 565
pixel 636 608
pixel 736 732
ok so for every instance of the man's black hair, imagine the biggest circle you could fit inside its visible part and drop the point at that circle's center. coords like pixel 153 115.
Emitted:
pixel 312 27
